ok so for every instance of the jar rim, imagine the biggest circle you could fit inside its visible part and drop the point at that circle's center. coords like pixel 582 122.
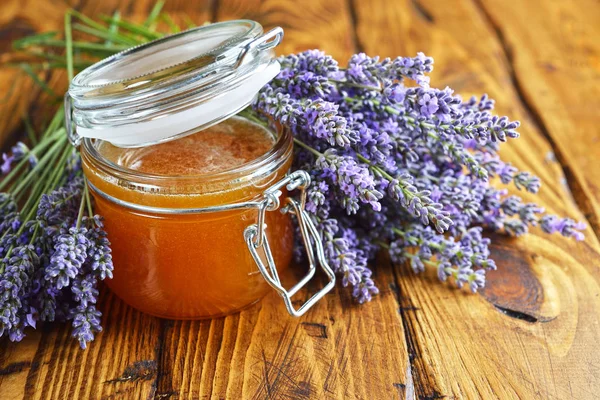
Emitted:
pixel 257 166
pixel 85 79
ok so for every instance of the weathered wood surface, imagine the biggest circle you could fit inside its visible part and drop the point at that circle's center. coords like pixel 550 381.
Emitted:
pixel 533 333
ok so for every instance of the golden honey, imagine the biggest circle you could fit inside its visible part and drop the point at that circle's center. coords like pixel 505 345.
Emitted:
pixel 179 264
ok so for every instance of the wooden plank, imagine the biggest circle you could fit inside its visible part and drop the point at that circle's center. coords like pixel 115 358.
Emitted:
pixel 263 352
pixel 556 66
pixel 543 344
pixel 338 350
pixel 123 360
pixel 316 24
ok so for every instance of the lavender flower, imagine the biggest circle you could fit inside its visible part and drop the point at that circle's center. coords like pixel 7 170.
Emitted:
pixel 61 205
pixel 99 258
pixel 7 163
pixel 18 152
pixel 86 321
pixel 420 157
pixel 70 252
pixel 323 122
pixel 355 183
pixel 14 286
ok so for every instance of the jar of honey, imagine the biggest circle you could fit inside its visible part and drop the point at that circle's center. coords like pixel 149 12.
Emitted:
pixel 198 203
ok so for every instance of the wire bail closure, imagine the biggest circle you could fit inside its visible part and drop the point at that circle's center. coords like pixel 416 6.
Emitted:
pixel 256 238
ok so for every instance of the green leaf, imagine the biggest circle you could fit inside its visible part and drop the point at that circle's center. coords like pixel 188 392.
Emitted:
pixel 134 28
pixel 113 27
pixel 154 13
pixel 69 45
pixel 38 38
pixel 169 21
pixel 105 35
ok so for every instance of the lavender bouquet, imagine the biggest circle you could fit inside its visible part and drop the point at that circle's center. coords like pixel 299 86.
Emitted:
pixel 395 163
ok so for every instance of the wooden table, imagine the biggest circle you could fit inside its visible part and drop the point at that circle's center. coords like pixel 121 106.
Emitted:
pixel 534 332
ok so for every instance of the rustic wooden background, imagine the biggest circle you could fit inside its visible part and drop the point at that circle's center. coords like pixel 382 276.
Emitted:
pixel 534 331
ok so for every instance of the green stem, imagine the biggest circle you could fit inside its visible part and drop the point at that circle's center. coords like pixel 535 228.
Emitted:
pixel 113 27
pixel 69 45
pixel 426 262
pixel 41 163
pixel 154 13
pixel 110 30
pixel 133 28
pixel 41 185
pixel 36 150
pixel 354 84
pixel 35 232
pixel 169 21
pixel 30 131
pixel 307 147
pixel 86 46
pixel 56 121
pixel 383 244
pixel 88 200
pixel 60 168
pixel 105 34
pixel 81 206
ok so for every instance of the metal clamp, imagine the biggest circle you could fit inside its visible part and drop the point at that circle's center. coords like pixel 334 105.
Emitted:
pixel 262 43
pixel 256 239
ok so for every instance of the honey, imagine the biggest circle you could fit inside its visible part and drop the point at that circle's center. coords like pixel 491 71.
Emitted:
pixel 221 147
pixel 190 265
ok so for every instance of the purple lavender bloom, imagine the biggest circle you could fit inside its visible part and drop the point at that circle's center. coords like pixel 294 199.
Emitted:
pixel 61 205
pixel 429 105
pixel 311 60
pixel 99 258
pixel 14 285
pixel 365 290
pixel 394 93
pixel 18 152
pixel 354 181
pixel 7 163
pixel 565 226
pixel 414 68
pixel 86 321
pixel 84 289
pixel 316 196
pixel 419 156
pixel 70 252
pixel 322 120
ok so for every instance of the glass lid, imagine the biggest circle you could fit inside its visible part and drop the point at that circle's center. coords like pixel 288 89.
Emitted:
pixel 173 86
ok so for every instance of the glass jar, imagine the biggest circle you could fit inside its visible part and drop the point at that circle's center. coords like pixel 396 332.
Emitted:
pixel 203 245
pixel 180 264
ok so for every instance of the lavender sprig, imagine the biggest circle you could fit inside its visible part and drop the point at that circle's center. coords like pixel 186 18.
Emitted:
pixel 402 167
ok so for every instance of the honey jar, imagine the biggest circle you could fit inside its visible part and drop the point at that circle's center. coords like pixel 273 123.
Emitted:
pixel 197 201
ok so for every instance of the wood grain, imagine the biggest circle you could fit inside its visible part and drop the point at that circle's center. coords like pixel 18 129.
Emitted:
pixel 556 70
pixel 533 331
pixel 531 338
